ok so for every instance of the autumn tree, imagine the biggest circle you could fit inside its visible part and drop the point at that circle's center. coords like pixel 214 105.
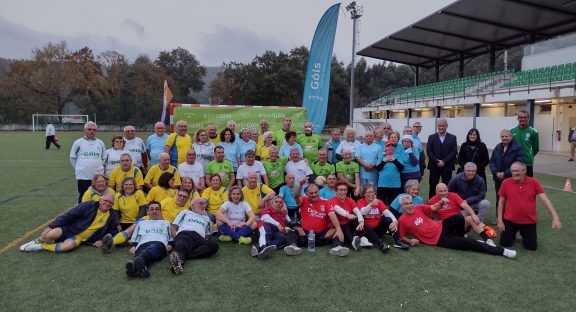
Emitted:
pixel 185 70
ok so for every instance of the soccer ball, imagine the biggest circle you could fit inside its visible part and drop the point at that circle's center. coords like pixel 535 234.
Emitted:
pixel 320 180
pixel 490 232
pixel 56 139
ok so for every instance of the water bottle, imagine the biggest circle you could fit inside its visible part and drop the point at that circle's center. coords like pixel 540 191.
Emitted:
pixel 311 241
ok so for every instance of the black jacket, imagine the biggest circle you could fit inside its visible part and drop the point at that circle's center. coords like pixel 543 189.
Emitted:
pixel 477 153
pixel 446 151
pixel 501 162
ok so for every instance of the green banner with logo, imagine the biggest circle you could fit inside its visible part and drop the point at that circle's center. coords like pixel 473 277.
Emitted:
pixel 245 117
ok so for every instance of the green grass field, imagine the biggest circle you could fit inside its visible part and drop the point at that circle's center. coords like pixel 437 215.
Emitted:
pixel 37 185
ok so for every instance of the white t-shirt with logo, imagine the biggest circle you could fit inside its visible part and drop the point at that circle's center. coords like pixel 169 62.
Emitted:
pixel 135 147
pixel 89 156
pixel 244 170
pixel 194 172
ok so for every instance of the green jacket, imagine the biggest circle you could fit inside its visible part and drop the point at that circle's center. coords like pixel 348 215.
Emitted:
pixel 530 141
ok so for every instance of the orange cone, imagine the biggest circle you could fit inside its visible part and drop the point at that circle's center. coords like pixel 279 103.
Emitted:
pixel 567 186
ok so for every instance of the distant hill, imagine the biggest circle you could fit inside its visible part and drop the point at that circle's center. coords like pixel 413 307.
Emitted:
pixel 5 63
pixel 202 97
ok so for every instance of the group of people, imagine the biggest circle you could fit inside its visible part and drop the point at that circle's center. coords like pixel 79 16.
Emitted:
pixel 276 189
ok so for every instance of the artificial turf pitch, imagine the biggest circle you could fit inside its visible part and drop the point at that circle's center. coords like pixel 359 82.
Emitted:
pixel 37 185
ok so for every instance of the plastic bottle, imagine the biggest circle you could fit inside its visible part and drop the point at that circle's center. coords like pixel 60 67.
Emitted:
pixel 311 241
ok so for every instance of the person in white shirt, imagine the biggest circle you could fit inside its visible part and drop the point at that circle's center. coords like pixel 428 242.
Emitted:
pixel 51 136
pixel 87 157
pixel 299 167
pixel 113 155
pixel 350 143
pixel 193 170
pixel 136 147
pixel 204 148
pixel 251 165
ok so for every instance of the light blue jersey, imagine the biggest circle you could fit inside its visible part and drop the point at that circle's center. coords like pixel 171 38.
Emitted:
pixel 231 153
pixel 155 145
pixel 369 154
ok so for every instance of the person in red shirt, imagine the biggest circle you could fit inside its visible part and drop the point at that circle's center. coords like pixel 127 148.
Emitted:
pixel 517 208
pixel 452 205
pixel 378 220
pixel 318 217
pixel 348 214
pixel 272 228
pixel 449 233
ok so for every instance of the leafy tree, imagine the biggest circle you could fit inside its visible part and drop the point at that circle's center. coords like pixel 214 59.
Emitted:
pixel 185 70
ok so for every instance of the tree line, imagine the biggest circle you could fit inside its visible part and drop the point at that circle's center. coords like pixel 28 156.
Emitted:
pixel 118 90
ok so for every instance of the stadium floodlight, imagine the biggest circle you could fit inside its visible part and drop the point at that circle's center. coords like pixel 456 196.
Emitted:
pixel 355 14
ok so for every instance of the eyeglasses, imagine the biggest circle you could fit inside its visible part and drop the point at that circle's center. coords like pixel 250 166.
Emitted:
pixel 154 208
pixel 182 195
pixel 130 130
pixel 91 129
pixel 107 201
pixel 417 126
pixel 386 128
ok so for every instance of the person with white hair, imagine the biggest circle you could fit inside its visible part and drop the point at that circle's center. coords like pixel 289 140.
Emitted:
pixel 87 157
pixel 136 147
pixel 156 142
pixel 349 143
pixel 178 143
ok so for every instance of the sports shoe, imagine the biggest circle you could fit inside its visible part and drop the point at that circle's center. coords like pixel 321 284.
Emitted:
pixel 140 267
pixel 253 251
pixel 356 243
pixel 176 263
pixel 509 253
pixel 384 247
pixel 401 245
pixel 266 251
pixel 225 238
pixel 339 251
pixel 245 240
pixel 131 269
pixel 292 250
pixel 488 242
pixel 571 159
pixel 364 242
pixel 31 246
pixel 107 241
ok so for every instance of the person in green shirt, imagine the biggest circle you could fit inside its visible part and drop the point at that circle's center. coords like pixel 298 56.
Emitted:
pixel 322 167
pixel 280 135
pixel 310 142
pixel 222 167
pixel 529 139
pixel 349 173
pixel 275 169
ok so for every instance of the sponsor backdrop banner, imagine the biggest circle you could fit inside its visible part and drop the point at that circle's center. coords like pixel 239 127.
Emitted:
pixel 199 116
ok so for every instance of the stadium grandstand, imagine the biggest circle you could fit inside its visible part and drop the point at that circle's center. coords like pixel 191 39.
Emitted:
pixel 545 86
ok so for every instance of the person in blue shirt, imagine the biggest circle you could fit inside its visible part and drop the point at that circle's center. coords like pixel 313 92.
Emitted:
pixel 290 144
pixel 156 142
pixel 412 188
pixel 231 150
pixel 389 167
pixel 287 193
pixel 329 190
pixel 366 156
pixel 245 144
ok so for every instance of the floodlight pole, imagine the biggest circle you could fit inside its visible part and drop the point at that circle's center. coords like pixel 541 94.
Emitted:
pixel 355 14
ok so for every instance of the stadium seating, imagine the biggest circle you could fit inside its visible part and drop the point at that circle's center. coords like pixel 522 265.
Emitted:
pixel 542 75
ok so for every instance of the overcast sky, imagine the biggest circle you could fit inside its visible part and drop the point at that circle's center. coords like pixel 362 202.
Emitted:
pixel 215 31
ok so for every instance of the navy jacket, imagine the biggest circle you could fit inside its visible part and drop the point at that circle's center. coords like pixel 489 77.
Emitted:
pixel 446 152
pixel 501 162
pixel 79 218
pixel 472 191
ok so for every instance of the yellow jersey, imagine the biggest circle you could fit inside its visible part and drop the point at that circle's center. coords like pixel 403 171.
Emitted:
pixel 178 145
pixel 128 206
pixel 117 176
pixel 92 195
pixel 253 196
pixel 215 199
pixel 159 194
pixel 170 210
pixel 98 223
pixel 155 172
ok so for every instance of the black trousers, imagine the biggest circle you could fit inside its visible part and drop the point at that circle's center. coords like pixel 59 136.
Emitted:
pixel 452 237
pixel 151 252
pixel 320 239
pixel 497 184
pixel 434 179
pixel 50 140
pixel 375 234
pixel 388 194
pixel 192 245
pixel 530 171
pixel 82 186
pixel 527 231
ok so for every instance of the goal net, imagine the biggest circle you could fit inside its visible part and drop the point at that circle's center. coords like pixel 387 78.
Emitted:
pixel 39 121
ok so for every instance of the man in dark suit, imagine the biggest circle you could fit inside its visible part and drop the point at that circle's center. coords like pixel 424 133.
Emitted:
pixel 441 149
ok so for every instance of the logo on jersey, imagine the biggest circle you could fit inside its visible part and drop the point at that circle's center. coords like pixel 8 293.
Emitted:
pixel 419 221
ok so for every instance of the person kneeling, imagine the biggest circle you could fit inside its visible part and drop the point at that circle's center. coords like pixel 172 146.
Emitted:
pixel 150 241
pixel 189 230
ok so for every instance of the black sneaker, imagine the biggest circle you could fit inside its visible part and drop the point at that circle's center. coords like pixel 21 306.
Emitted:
pixel 107 242
pixel 356 243
pixel 401 245
pixel 384 247
pixel 266 251
pixel 176 263
pixel 131 269
pixel 140 267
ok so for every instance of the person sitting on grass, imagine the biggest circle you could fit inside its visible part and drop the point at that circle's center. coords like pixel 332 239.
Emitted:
pixel 190 230
pixel 163 166
pixel 272 228
pixel 451 204
pixel 256 195
pixel 348 214
pixel 98 188
pixel 318 217
pixel 130 204
pixel 329 189
pixel 164 189
pixel 150 241
pixel 235 218
pixel 126 169
pixel 412 188
pixel 287 194
pixel 216 195
pixel 416 222
pixel 86 223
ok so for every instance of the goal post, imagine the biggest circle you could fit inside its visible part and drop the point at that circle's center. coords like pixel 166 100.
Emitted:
pixel 39 120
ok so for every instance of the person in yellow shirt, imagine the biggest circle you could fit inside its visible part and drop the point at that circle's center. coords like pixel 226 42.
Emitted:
pixel 178 143
pixel 125 170
pixel 213 133
pixel 255 194
pixel 163 165
pixel 263 150
pixel 86 223
pixel 98 188
pixel 130 203
pixel 216 195
pixel 164 189
pixel 172 206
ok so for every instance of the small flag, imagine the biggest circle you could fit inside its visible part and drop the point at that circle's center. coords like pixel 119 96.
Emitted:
pixel 165 100
pixel 567 186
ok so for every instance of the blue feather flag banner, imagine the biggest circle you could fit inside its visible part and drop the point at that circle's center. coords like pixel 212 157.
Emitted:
pixel 317 85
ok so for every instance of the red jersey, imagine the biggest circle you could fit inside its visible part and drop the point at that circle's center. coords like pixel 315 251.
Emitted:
pixel 275 214
pixel 349 204
pixel 315 215
pixel 373 217
pixel 420 226
pixel 520 197
pixel 449 209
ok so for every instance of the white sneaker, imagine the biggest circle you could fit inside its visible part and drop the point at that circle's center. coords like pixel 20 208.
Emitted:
pixel 364 242
pixel 31 246
pixel 292 250
pixel 509 253
pixel 356 243
pixel 253 251
pixel 339 251
pixel 488 242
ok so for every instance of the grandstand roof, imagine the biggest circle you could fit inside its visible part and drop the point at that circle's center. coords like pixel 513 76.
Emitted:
pixel 472 27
